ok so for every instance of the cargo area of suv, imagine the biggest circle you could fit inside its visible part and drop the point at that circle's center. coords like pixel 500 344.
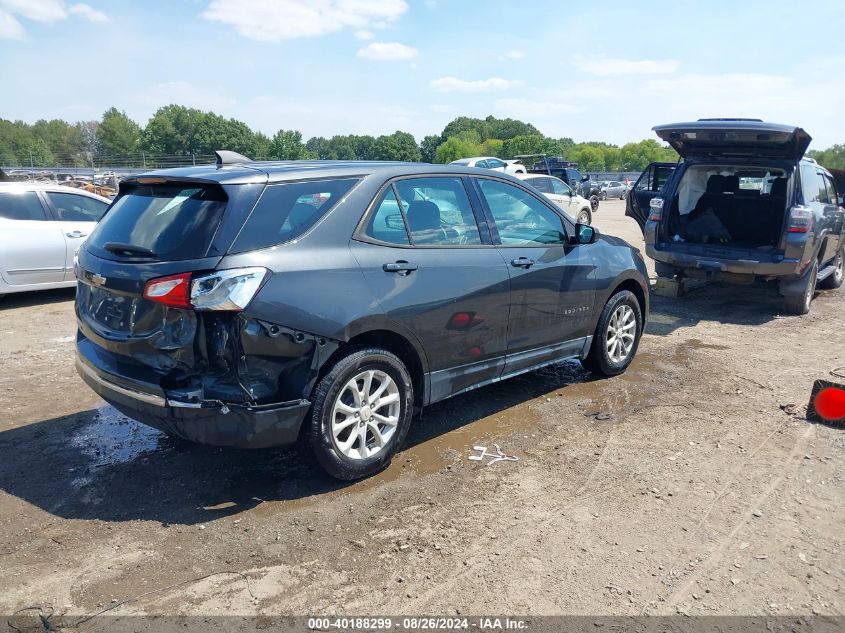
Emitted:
pixel 740 207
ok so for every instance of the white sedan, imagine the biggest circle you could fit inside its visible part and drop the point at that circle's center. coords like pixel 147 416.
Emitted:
pixel 490 162
pixel 562 195
pixel 41 226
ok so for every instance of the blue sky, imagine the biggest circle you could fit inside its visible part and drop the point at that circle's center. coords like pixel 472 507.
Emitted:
pixel 606 72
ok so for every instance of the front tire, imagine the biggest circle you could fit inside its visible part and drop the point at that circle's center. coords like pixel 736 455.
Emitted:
pixel 361 413
pixel 617 335
pixel 835 280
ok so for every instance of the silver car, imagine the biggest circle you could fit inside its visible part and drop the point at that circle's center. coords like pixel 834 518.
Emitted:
pixel 614 189
pixel 41 226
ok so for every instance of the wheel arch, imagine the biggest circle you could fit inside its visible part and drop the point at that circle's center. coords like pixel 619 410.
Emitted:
pixel 388 336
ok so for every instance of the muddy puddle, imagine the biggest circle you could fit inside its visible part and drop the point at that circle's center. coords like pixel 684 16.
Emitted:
pixel 110 439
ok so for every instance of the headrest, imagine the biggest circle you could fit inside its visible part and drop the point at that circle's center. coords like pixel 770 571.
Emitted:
pixel 779 188
pixel 731 183
pixel 423 215
pixel 301 214
pixel 716 184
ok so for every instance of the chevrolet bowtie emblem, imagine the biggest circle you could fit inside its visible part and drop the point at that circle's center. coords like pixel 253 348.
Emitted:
pixel 97 280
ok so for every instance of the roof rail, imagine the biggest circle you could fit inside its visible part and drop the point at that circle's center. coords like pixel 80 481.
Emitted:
pixel 225 157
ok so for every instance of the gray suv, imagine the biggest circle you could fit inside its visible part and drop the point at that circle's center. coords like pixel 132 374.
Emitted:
pixel 743 204
pixel 257 304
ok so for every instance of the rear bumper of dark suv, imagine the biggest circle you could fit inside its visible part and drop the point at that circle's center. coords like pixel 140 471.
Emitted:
pixel 204 422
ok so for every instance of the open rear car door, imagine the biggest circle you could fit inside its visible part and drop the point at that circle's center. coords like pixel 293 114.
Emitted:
pixel 646 188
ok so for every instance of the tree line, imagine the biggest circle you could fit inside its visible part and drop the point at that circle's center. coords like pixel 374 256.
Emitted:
pixel 183 134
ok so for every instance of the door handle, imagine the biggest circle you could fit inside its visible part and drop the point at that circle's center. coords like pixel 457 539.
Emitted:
pixel 76 234
pixel 522 262
pixel 401 267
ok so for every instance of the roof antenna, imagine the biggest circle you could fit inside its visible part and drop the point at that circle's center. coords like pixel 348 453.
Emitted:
pixel 225 157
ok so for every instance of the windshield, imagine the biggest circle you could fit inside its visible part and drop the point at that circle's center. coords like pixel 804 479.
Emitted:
pixel 173 221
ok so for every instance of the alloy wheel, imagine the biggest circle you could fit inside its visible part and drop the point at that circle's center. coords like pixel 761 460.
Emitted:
pixel 365 414
pixel 621 333
pixel 583 218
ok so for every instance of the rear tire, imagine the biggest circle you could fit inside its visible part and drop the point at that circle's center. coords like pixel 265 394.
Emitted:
pixel 800 303
pixel 835 280
pixel 606 357
pixel 349 434
pixel 585 216
pixel 594 202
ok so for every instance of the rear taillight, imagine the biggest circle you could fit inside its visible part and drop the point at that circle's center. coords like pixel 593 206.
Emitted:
pixel 656 209
pixel 227 289
pixel 223 290
pixel 173 290
pixel 800 220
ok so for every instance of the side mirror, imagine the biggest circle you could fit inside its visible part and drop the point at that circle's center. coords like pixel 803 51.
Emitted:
pixel 585 234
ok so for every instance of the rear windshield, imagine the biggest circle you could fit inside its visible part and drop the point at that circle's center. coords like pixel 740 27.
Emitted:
pixel 286 211
pixel 174 221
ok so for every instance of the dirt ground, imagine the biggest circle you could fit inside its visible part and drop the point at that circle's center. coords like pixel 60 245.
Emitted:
pixel 681 486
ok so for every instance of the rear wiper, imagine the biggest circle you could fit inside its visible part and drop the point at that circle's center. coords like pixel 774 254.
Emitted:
pixel 128 249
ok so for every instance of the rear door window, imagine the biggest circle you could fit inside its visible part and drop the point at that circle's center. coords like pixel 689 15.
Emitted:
pixel 174 221
pixel 23 205
pixel 73 207
pixel 387 224
pixel 541 184
pixel 438 212
pixel 287 210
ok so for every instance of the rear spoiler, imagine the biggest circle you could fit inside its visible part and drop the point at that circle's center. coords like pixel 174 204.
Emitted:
pixel 225 157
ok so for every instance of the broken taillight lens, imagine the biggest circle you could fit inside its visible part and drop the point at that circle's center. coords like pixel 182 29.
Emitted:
pixel 656 209
pixel 173 290
pixel 800 220
pixel 222 290
pixel 227 289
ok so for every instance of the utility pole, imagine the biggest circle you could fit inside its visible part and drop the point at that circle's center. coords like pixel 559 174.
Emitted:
pixel 144 159
pixel 193 159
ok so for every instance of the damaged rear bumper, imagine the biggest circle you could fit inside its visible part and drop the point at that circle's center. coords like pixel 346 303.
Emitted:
pixel 206 421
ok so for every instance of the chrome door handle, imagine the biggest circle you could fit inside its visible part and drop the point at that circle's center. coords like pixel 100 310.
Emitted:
pixel 76 234
pixel 401 267
pixel 522 262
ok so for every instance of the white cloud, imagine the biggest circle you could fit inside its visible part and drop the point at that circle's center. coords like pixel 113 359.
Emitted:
pixel 512 55
pixel 612 66
pixel 274 20
pixel 88 12
pixel 364 34
pixel 453 84
pixel 41 11
pixel 10 28
pixel 387 52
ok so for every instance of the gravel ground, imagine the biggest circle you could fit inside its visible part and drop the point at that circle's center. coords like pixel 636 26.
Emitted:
pixel 682 486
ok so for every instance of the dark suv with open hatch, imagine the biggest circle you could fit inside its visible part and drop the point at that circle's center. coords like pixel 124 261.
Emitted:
pixel 743 205
pixel 255 304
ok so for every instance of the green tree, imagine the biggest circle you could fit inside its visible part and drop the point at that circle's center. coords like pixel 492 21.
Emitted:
pixel 287 145
pixel 454 148
pixel 428 148
pixel 118 134
pixel 832 157
pixel 397 146
pixel 524 144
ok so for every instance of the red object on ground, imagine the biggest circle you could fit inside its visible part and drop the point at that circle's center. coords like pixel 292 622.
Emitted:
pixel 829 403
